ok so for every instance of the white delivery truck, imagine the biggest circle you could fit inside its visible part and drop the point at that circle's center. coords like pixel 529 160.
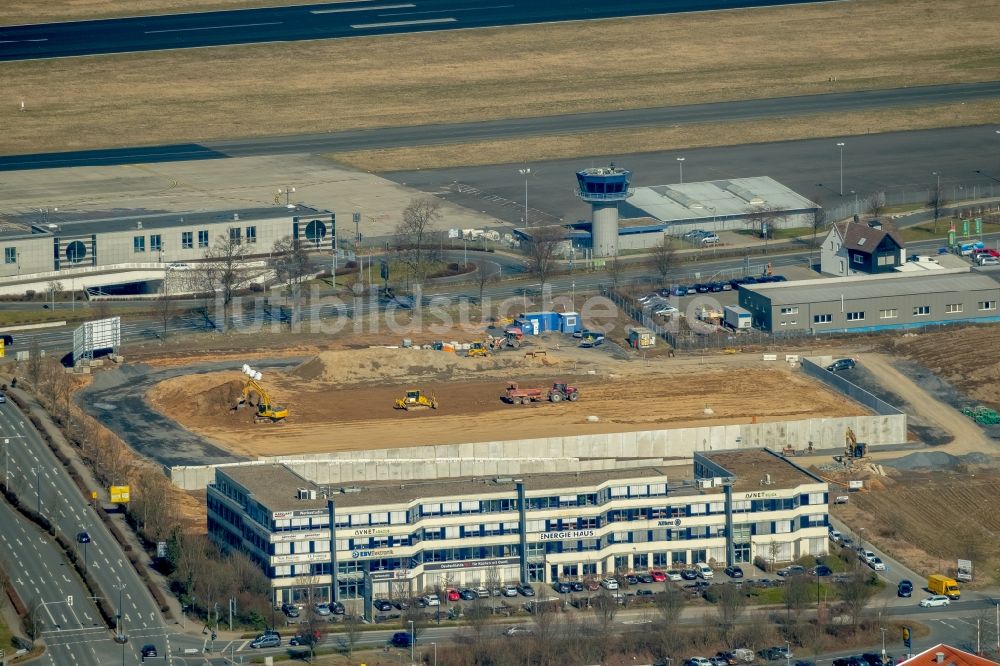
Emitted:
pixel 737 318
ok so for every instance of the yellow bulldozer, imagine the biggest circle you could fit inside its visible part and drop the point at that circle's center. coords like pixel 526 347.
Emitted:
pixel 415 399
pixel 266 412
pixel 479 349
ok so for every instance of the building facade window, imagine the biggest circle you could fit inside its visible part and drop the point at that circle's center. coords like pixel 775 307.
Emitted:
pixel 983 305
pixel 953 308
pixel 251 234
pixel 155 242
pixel 187 240
pixel 203 238
pixel 859 259
pixel 855 316
pixel 234 235
pixel 887 260
pixel 921 310
pixel 138 243
pixel 10 256
pixel 890 313
pixel 822 318
pixel 790 310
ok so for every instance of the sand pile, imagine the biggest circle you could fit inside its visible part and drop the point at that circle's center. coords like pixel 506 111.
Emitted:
pixel 214 401
pixel 379 364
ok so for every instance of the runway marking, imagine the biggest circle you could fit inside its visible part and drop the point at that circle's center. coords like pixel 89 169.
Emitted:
pixel 214 27
pixel 360 9
pixel 396 24
pixel 45 39
pixel 443 11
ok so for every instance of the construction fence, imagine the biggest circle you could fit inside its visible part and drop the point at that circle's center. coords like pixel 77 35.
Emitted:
pixel 848 388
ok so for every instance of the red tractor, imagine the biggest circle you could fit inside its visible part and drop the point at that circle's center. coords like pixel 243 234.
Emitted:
pixel 522 396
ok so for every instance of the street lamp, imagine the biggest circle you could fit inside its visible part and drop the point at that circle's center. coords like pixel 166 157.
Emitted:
pixel 435 653
pixel 882 629
pixel 841 146
pixel 525 172
pixel 788 654
pixel 411 640
pixel 935 173
pixel 680 164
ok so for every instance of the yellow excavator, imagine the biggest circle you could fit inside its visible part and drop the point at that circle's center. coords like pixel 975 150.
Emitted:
pixel 415 399
pixel 266 412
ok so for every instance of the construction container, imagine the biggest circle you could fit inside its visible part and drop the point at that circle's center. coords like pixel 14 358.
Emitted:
pixel 569 322
pixel 640 337
pixel 542 321
pixel 738 318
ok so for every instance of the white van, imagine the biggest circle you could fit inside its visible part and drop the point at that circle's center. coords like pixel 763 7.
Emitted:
pixel 704 570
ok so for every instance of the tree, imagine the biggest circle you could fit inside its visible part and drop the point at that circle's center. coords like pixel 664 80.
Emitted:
pixel 164 308
pixel 936 203
pixel 605 610
pixel 614 267
pixel 54 288
pixel 730 605
pixel 542 251
pixel 797 593
pixel 856 591
pixel 483 278
pixel 760 219
pixel 415 236
pixel 225 271
pixel 875 203
pixel 817 221
pixel 664 257
pixel 291 261
pixel 352 632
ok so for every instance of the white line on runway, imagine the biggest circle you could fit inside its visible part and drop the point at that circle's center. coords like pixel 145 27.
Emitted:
pixel 45 39
pixel 359 9
pixel 443 11
pixel 395 24
pixel 214 27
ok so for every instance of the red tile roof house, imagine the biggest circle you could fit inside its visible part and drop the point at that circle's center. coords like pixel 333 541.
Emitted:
pixel 945 655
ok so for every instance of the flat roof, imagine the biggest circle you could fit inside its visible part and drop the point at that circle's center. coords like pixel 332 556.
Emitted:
pixel 69 224
pixel 712 199
pixel 275 486
pixel 880 286
pixel 749 466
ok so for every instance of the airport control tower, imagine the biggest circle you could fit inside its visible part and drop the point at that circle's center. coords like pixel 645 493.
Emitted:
pixel 603 188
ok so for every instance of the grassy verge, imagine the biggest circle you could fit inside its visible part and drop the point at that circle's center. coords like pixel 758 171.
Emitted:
pixel 434 77
pixel 926 230
pixel 657 139
pixel 19 12
pixel 779 234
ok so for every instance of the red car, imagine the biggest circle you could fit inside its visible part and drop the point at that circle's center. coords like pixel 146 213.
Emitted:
pixel 453 594
pixel 658 576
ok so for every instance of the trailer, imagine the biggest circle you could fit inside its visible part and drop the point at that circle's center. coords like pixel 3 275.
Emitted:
pixel 737 318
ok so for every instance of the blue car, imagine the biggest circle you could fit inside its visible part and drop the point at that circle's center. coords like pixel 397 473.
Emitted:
pixel 679 290
pixel 401 639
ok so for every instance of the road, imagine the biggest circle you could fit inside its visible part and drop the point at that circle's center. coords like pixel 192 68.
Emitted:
pixel 41 481
pixel 310 22
pixel 892 153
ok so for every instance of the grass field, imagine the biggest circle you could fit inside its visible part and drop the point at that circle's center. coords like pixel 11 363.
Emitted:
pixel 925 231
pixel 19 12
pixel 275 89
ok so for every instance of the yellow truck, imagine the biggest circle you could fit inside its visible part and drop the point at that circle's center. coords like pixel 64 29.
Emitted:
pixel 938 584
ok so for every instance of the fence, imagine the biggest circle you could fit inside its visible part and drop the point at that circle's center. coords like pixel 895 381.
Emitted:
pixel 855 203
pixel 848 388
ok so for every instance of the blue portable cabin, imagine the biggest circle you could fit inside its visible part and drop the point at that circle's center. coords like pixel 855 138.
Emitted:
pixel 569 322
pixel 541 321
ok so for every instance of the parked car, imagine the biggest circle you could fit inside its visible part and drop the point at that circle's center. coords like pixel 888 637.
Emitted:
pixel 526 590
pixel 791 570
pixel 779 278
pixel 734 571
pixel 381 605
pixel 867 556
pixel 689 574
pixel 401 639
pixel 674 575
pixel 576 586
pixel 303 639
pixel 517 630
pixel 715 287
pixel 842 364
pixel 453 594
pixel 876 563
pixel 510 590
pixel 322 609
pixel 468 595
pixel 935 600
pixel 847 542
pixel 290 610
pixel 678 290
pixel 777 652
pixel 609 584
pixel 821 570
pixel 836 536
pixel 873 659
pixel 561 587
pixel 632 579
pixel 482 592
pixel 904 589
pixel 698 661
pixel 646 578
pixel 266 641
pixel 711 240
pixel 399 604
pixel 430 600
pixel 988 260
pixel 702 288
pixel 658 576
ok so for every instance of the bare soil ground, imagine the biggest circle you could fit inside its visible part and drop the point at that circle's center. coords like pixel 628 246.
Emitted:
pixel 929 519
pixel 203 94
pixel 343 400
pixel 20 12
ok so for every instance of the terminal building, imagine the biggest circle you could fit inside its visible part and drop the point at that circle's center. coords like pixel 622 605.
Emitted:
pixel 420 535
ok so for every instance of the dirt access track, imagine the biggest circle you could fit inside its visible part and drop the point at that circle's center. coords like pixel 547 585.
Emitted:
pixel 343 400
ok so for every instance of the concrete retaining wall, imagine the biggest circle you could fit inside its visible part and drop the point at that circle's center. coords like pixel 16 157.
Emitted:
pixel 571 453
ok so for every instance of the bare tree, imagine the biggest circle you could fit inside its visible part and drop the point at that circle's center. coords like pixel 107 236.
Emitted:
pixel 164 308
pixel 542 251
pixel 54 288
pixel 875 203
pixel 614 267
pixel 225 270
pixel 417 616
pixel 797 591
pixel 817 221
pixel 605 610
pixel 856 591
pixel 351 634
pixel 291 261
pixel 483 278
pixel 760 219
pixel 664 257
pixel 34 363
pixel 936 203
pixel 730 605
pixel 415 237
